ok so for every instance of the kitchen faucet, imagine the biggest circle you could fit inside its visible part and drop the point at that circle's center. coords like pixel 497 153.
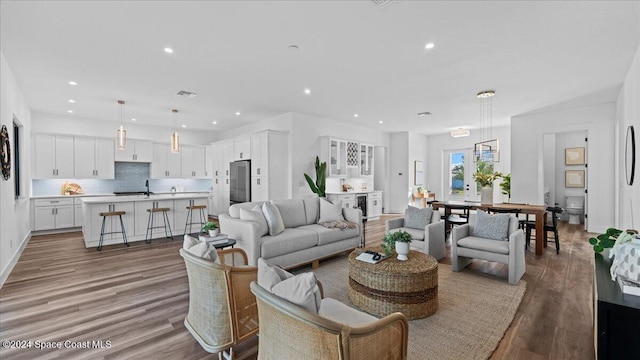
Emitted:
pixel 147 185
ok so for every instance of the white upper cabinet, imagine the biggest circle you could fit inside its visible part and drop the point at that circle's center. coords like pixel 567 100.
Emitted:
pixel 166 164
pixel 53 157
pixel 242 148
pixel 193 162
pixel 259 154
pixel 136 151
pixel 94 158
pixel 222 156
pixel 334 152
pixel 366 160
pixel 208 169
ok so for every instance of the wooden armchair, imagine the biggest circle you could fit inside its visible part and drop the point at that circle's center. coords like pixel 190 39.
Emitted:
pixel 287 331
pixel 222 309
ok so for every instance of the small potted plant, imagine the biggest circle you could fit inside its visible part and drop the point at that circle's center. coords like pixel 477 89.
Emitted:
pixel 211 227
pixel 399 241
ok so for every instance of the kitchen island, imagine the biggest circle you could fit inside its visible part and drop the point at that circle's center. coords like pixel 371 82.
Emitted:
pixel 136 218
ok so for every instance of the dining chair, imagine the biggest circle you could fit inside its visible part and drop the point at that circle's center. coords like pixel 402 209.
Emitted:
pixel 458 215
pixel 549 227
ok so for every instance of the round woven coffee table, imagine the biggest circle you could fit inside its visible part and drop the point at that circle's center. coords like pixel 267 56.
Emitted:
pixel 410 287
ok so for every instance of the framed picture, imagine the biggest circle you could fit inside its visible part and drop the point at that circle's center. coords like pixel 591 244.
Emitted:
pixel 574 156
pixel 418 173
pixel 574 178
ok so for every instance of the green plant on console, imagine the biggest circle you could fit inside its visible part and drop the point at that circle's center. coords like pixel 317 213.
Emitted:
pixel 321 178
pixel 505 185
pixel 390 239
pixel 209 225
pixel 610 238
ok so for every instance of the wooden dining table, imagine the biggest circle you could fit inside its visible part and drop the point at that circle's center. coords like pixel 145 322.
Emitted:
pixel 540 212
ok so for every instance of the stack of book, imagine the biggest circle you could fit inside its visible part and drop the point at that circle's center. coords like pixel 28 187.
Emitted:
pixel 629 287
pixel 215 240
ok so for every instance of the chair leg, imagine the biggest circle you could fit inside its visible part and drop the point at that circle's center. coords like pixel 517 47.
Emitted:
pixel 149 225
pixel 124 233
pixel 186 222
pixel 167 224
pixel 555 233
pixel 104 219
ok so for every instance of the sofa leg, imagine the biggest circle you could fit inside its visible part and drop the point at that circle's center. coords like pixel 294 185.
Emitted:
pixel 315 264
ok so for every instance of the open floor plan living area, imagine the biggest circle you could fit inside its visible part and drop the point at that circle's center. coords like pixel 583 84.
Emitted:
pixel 361 179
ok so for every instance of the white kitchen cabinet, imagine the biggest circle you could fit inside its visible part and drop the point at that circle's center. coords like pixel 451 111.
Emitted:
pixel 366 160
pixel 136 151
pixel 334 153
pixel 166 164
pixel 94 158
pixel 77 215
pixel 52 157
pixel 222 156
pixel 208 170
pixel 221 196
pixel 348 200
pixel 374 205
pixel 241 148
pixel 142 217
pixel 180 214
pixel 112 223
pixel 268 164
pixel 193 162
pixel 53 213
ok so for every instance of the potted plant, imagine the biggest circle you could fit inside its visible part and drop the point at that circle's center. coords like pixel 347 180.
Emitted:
pixel 211 227
pixel 399 241
pixel 321 178
pixel 505 185
pixel 420 192
pixel 485 176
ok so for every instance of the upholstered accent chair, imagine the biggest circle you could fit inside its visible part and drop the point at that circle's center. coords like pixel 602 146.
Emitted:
pixel 289 331
pixel 466 246
pixel 222 309
pixel 428 239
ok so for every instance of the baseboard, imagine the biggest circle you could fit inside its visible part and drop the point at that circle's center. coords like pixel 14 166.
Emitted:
pixel 14 260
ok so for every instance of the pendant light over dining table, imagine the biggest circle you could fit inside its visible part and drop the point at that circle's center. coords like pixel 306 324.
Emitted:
pixel 175 138
pixel 121 133
pixel 488 149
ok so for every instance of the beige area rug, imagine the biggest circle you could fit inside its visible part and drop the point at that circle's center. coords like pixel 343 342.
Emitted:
pixel 474 311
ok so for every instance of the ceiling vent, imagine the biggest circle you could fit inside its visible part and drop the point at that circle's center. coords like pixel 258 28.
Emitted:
pixel 383 3
pixel 186 94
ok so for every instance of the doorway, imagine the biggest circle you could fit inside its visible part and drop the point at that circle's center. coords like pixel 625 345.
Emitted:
pixel 458 175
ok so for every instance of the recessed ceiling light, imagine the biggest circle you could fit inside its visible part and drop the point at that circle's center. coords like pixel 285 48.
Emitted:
pixel 429 46
pixel 70 111
pixel 237 113
pixel 307 91
pixel 380 122
pixel 72 101
pixel 133 119
pixel 424 113
pixel 184 126
pixel 73 83
pixel 168 50
pixel 355 115
pixel 293 48
pixel 214 122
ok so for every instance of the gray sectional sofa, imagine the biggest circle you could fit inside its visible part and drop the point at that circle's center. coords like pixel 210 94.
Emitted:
pixel 303 240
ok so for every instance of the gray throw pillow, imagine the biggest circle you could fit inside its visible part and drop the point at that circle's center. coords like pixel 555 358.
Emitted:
pixel 255 215
pixel 495 227
pixel 417 218
pixel 274 219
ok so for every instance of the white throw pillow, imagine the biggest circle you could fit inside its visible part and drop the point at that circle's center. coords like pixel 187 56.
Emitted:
pixel 256 215
pixel 273 217
pixel 200 248
pixel 330 211
pixel 269 275
pixel 299 289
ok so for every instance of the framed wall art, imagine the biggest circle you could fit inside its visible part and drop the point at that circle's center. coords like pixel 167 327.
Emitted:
pixel 574 178
pixel 574 156
pixel 418 173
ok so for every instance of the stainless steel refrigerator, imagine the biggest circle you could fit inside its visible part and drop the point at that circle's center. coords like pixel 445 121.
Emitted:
pixel 240 181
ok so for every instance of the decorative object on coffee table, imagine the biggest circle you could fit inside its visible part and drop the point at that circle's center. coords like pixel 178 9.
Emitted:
pixel 399 241
pixel 410 287
pixel 211 227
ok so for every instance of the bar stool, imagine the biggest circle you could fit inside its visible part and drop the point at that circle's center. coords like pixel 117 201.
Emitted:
pixel 190 215
pixel 150 223
pixel 104 220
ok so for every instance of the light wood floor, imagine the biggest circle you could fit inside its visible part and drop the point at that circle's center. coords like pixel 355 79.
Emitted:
pixel 137 299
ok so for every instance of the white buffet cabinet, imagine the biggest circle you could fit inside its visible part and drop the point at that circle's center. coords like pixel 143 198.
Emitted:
pixel 350 200
pixel 136 217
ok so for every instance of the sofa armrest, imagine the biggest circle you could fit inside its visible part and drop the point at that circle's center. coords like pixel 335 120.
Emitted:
pixel 353 215
pixel 245 233
pixel 457 233
pixel 434 232
pixel 393 224
pixel 516 241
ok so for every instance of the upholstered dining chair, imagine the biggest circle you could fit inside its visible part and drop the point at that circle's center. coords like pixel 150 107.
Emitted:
pixel 483 238
pixel 222 309
pixel 458 215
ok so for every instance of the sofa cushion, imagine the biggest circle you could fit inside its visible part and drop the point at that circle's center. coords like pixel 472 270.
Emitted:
pixel 341 313
pixel 495 227
pixel 301 290
pixel 484 244
pixel 200 248
pixel 328 235
pixel 234 210
pixel 417 218
pixel 269 275
pixel 415 233
pixel 330 211
pixel 274 219
pixel 255 215
pixel 290 240
pixel 292 212
pixel 312 209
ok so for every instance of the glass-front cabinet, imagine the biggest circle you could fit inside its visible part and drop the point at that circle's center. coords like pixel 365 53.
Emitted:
pixel 347 158
pixel 337 158
pixel 366 160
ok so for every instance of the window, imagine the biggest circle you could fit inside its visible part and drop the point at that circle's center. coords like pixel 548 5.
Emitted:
pixel 456 166
pixel 16 158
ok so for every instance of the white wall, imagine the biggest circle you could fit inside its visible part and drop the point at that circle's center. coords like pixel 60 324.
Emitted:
pixel 399 172
pixel 75 125
pixel 563 141
pixel 14 213
pixel 527 157
pixel 628 113
pixel 549 158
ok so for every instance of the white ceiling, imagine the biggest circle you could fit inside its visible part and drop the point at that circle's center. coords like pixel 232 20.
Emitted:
pixel 354 56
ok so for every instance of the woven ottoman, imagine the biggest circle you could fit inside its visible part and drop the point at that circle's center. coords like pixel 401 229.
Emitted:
pixel 410 287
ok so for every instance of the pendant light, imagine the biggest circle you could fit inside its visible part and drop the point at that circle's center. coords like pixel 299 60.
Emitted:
pixel 488 149
pixel 121 133
pixel 175 138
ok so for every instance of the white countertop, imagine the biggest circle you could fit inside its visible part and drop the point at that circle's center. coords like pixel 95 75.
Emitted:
pixel 111 194
pixel 351 192
pixel 153 197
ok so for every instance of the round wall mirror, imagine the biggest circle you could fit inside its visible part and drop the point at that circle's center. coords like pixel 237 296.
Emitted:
pixel 630 155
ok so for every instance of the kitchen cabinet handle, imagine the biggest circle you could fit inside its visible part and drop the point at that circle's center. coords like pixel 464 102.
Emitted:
pixel 258 180
pixel 216 172
pixel 258 171
pixel 53 171
pixel 227 172
pixel 56 211
pixel 227 181
pixel 240 155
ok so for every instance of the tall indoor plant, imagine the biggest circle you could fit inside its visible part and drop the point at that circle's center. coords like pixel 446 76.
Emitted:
pixel 505 185
pixel 319 185
pixel 485 176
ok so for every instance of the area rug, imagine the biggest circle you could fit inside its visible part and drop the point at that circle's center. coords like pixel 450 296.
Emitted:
pixel 474 311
